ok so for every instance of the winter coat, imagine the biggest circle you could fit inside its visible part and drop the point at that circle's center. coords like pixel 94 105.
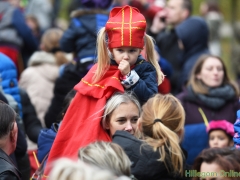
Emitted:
pixel 72 75
pixel 8 80
pixel 38 80
pixel 145 164
pixel 19 156
pixel 42 10
pixel 194 34
pixel 13 28
pixel 195 128
pixel 45 141
pixel 167 42
pixel 69 139
pixel 81 35
pixel 7 168
pixel 147 85
pixel 32 124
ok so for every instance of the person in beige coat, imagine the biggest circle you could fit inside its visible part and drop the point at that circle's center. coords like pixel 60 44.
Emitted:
pixel 39 77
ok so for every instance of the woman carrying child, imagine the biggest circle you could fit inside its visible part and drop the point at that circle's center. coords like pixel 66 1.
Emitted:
pixel 123 38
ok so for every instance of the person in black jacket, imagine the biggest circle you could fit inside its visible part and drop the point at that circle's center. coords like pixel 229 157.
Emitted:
pixel 163 31
pixel 73 73
pixel 8 142
pixel 32 127
pixel 19 156
pixel 32 124
pixel 156 153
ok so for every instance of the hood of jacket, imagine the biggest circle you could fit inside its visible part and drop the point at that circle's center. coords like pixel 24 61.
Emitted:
pixel 41 57
pixel 194 34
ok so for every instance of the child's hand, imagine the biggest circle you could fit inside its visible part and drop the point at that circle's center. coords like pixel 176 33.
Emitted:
pixel 124 67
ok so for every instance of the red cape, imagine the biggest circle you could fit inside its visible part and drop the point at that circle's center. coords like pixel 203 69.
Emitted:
pixel 82 123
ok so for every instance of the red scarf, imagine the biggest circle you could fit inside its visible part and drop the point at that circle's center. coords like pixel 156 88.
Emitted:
pixel 82 123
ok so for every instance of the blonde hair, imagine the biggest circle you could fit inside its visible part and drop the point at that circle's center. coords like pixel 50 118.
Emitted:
pixel 151 57
pixel 164 135
pixel 104 59
pixel 116 100
pixel 106 155
pixel 66 169
pixel 51 40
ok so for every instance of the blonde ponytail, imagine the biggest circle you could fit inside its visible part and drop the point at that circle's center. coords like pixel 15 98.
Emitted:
pixel 164 135
pixel 150 55
pixel 103 59
pixel 164 138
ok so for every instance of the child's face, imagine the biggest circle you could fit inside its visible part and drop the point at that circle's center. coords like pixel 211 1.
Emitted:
pixel 218 138
pixel 129 54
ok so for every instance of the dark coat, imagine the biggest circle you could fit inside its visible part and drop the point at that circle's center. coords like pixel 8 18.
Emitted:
pixel 7 168
pixel 32 124
pixel 81 35
pixel 72 74
pixel 191 105
pixel 193 32
pixel 45 141
pixel 196 137
pixel 147 85
pixel 13 28
pixel 145 164
pixel 167 42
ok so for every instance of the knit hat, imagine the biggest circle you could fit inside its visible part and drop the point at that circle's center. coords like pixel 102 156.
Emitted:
pixel 125 27
pixel 224 125
pixel 101 4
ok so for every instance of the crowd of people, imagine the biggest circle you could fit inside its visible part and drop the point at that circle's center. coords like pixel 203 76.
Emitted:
pixel 131 89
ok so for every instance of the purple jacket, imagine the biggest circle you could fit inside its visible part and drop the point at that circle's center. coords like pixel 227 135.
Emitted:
pixel 193 116
pixel 195 137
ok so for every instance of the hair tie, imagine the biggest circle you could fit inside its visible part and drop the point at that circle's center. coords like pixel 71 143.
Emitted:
pixel 54 50
pixel 157 120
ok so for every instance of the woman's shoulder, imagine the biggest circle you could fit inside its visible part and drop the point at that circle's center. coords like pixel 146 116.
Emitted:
pixel 183 95
pixel 123 137
pixel 132 144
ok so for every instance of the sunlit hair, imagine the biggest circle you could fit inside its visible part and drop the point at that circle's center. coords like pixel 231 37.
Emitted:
pixel 116 100
pixel 66 169
pixel 104 59
pixel 197 85
pixel 51 40
pixel 166 134
pixel 7 119
pixel 106 155
pixel 227 158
